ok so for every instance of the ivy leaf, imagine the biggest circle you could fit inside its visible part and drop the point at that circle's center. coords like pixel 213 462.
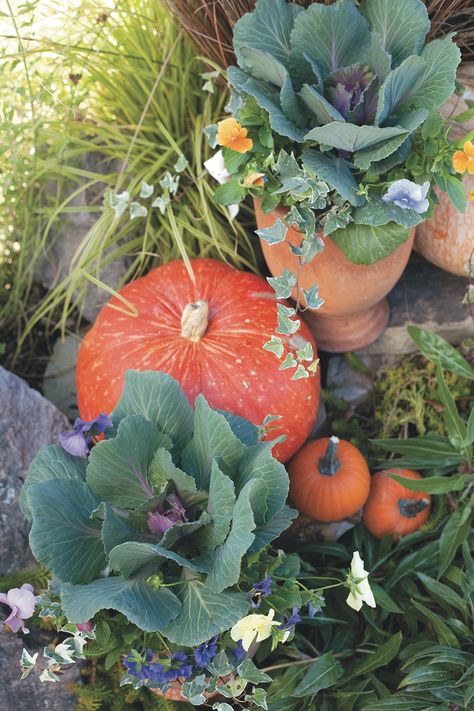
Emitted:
pixel 249 672
pixel 129 456
pixel 311 297
pixel 204 613
pixel 285 325
pixel 289 362
pixel 170 182
pixel 274 234
pixel 211 134
pixel 274 345
pixel 258 698
pixel 283 284
pixel 150 610
pixel 161 202
pixel 337 172
pixel 27 662
pixel 146 190
pixel 301 372
pixel 322 674
pixel 118 202
pixel 62 511
pixel 137 210
pixel 305 353
pixel 181 164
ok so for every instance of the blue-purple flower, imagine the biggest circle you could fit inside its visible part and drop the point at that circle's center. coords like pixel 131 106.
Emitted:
pixel 205 653
pixel 408 195
pixel 292 620
pixel 179 667
pixel 261 590
pixel 239 652
pixel 77 442
pixel 21 602
pixel 138 664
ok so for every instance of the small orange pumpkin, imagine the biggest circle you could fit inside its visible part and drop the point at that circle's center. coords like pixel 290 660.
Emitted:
pixel 329 479
pixel 392 508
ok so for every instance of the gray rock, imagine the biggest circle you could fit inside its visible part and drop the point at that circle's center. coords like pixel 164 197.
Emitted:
pixel 66 238
pixel 346 383
pixel 31 694
pixel 427 297
pixel 59 384
pixel 27 422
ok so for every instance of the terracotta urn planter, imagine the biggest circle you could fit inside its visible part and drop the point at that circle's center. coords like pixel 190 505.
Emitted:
pixel 447 240
pixel 355 310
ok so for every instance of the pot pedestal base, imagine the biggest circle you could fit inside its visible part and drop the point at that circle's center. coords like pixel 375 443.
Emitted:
pixel 341 334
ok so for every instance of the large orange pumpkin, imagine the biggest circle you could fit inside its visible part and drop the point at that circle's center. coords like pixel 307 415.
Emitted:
pixel 392 508
pixel 329 479
pixel 207 334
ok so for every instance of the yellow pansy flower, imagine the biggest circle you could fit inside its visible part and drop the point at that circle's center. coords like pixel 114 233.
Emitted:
pixel 464 160
pixel 230 134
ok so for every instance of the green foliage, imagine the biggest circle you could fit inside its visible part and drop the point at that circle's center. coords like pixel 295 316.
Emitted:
pixel 132 113
pixel 347 89
pixel 228 500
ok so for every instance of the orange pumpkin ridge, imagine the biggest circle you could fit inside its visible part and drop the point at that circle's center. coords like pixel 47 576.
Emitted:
pixel 329 479
pixel 391 508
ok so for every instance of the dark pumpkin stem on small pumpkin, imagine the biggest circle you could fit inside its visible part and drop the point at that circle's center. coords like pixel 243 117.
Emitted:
pixel 329 464
pixel 412 507
pixel 194 320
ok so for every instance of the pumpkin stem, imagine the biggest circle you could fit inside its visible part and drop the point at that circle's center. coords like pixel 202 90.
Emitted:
pixel 412 507
pixel 330 464
pixel 194 320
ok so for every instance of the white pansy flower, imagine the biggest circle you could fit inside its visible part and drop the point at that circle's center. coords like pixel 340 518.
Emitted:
pixel 253 628
pixel 358 582
pixel 215 166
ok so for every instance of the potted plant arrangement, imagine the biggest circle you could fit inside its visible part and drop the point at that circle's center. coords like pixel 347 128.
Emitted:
pixel 334 131
pixel 158 538
pixel 447 238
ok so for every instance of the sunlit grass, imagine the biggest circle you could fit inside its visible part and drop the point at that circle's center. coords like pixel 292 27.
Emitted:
pixel 136 99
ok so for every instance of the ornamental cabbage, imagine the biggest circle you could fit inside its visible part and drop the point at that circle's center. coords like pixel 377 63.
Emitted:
pixel 157 522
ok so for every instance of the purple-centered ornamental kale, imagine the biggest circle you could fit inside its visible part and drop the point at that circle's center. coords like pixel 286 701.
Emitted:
pixel 292 620
pixel 261 590
pixel 408 195
pixel 77 442
pixel 166 514
pixel 205 653
pixel 21 602
pixel 348 87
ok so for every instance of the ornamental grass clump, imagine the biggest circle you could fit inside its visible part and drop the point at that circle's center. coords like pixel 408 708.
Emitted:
pixel 338 106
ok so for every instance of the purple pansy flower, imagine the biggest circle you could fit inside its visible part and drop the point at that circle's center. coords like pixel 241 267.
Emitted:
pixel 408 195
pixel 178 668
pixel 205 653
pixel 166 514
pixel 292 620
pixel 261 590
pixel 77 442
pixel 21 602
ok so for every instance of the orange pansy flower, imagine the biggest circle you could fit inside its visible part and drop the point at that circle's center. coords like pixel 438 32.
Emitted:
pixel 231 135
pixel 254 180
pixel 464 160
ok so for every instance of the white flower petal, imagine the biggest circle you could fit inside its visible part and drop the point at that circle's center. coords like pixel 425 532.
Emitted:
pixel 355 603
pixel 215 166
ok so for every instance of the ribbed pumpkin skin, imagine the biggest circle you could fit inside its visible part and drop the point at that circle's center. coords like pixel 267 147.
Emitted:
pixel 228 364
pixel 328 498
pixel 382 515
